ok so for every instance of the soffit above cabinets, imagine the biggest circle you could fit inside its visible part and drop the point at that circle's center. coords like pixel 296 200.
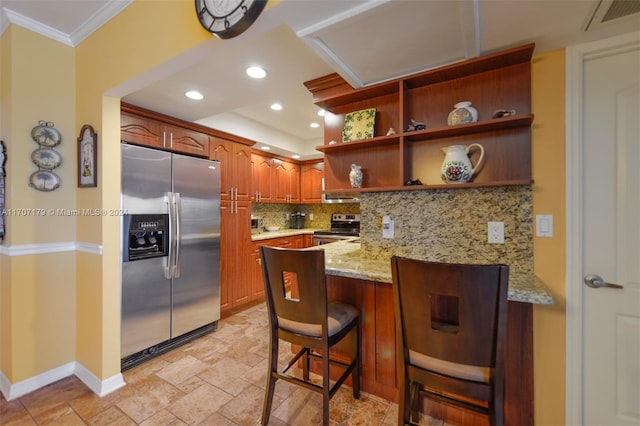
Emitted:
pixel 404 37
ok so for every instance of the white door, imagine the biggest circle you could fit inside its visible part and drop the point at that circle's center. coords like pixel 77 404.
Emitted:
pixel 607 200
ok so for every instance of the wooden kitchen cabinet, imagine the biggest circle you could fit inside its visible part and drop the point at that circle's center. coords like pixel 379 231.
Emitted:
pixel 148 128
pixel 497 81
pixel 235 220
pixel 311 175
pixel 286 181
pixel 140 130
pixel 235 159
pixel 378 352
pixel 261 178
pixel 186 141
pixel 257 282
pixel 235 246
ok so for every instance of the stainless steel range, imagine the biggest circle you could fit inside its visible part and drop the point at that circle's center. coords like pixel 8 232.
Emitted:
pixel 343 226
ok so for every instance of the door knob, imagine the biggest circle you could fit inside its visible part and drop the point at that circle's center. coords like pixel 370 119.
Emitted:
pixel 596 281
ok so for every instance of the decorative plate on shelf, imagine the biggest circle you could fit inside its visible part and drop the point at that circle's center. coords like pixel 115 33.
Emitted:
pixel 359 125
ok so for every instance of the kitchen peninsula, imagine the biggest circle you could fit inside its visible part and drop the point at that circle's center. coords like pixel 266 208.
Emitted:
pixel 353 277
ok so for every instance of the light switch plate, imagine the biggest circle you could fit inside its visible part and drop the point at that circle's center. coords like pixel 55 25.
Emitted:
pixel 544 225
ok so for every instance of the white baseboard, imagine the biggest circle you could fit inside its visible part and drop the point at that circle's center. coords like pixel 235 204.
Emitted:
pixel 99 387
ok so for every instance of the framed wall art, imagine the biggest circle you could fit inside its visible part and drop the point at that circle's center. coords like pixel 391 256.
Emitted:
pixel 87 157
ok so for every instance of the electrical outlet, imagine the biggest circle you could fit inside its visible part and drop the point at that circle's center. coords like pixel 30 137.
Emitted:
pixel 387 227
pixel 495 231
pixel 310 216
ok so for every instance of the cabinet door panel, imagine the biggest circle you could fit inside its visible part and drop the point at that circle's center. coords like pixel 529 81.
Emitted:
pixel 242 175
pixel 141 131
pixel 261 179
pixel 222 150
pixel 187 141
pixel 311 182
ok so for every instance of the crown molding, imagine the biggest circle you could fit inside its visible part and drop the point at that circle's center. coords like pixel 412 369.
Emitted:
pixel 88 27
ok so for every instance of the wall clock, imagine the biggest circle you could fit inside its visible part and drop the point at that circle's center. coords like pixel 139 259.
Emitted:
pixel 228 18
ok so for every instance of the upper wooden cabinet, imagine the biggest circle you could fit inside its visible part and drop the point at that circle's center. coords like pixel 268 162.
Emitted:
pixel 311 175
pixel 141 130
pixel 186 141
pixel 286 181
pixel 143 127
pixel 235 159
pixel 498 81
pixel 261 178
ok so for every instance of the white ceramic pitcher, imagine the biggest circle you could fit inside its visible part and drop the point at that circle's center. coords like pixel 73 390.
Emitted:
pixel 457 167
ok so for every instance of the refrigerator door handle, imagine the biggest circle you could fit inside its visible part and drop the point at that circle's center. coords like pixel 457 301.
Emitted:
pixel 178 211
pixel 168 268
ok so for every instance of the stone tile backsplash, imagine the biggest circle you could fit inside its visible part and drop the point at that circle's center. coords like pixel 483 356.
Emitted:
pixel 451 225
pixel 275 214
pixel 440 225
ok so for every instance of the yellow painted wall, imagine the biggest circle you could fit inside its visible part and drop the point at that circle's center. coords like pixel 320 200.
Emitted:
pixel 42 79
pixel 548 156
pixel 38 83
pixel 5 264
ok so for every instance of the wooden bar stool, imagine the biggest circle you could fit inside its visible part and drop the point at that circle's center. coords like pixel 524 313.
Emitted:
pixel 450 335
pixel 300 313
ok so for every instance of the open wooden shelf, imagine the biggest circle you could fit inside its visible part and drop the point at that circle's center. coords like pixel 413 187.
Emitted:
pixel 352 191
pixel 498 81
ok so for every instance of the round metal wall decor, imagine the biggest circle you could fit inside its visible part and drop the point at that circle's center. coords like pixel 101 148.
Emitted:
pixel 45 157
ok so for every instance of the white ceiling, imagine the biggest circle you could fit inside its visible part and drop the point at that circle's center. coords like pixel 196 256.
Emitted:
pixel 365 41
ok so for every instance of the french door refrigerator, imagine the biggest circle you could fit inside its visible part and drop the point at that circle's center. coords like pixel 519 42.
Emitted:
pixel 170 251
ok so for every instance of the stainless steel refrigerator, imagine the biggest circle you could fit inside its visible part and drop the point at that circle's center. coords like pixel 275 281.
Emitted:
pixel 170 251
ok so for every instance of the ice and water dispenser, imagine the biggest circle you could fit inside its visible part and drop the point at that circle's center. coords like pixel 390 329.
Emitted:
pixel 146 236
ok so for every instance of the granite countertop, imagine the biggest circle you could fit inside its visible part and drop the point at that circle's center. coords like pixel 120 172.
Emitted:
pixel 287 232
pixel 345 259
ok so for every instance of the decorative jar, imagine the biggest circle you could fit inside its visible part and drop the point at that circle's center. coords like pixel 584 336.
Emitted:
pixel 463 113
pixel 355 176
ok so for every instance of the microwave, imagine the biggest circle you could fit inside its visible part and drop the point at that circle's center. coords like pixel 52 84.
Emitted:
pixel 257 224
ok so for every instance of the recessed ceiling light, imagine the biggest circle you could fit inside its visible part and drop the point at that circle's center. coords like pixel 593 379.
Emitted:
pixel 265 148
pixel 194 94
pixel 276 107
pixel 256 72
pixel 321 113
pixel 314 125
pixel 296 156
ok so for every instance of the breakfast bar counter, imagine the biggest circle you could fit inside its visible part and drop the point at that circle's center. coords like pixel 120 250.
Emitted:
pixel 366 284
pixel 346 259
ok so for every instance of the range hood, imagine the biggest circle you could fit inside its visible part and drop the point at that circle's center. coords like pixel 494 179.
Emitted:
pixel 338 198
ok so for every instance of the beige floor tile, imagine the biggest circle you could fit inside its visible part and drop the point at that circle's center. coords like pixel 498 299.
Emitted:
pixel 216 380
pixel 182 369
pixel 227 375
pixel 163 418
pixel 198 405
pixel 156 395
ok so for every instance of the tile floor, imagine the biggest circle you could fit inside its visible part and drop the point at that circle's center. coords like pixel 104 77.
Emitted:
pixel 216 380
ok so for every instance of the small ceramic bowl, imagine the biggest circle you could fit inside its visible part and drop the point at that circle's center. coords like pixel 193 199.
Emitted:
pixel 272 228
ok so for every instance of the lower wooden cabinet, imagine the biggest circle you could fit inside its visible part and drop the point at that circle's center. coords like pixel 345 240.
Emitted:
pixel 235 244
pixel 378 352
pixel 255 267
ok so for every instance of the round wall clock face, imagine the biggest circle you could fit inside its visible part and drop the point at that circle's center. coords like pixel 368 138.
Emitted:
pixel 228 18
